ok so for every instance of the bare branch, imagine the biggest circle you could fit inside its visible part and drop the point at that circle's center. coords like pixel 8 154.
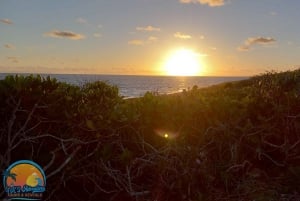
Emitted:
pixel 50 162
pixel 271 159
pixel 27 120
pixel 63 164
pixel 73 140
pixel 238 166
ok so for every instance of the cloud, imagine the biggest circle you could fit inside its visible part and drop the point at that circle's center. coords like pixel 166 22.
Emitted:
pixel 65 34
pixel 136 42
pixel 149 40
pixel 9 46
pixel 147 29
pixel 152 39
pixel 249 42
pixel 259 40
pixel 6 21
pixel 243 48
pixel 81 20
pixel 182 36
pixel 211 3
pixel 13 59
pixel 97 35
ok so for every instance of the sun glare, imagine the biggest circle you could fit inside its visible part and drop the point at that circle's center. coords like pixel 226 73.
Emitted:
pixel 183 62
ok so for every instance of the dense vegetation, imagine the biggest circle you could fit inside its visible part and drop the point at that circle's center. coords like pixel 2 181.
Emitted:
pixel 234 141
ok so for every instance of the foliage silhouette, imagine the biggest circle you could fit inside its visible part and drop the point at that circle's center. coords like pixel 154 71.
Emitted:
pixel 233 141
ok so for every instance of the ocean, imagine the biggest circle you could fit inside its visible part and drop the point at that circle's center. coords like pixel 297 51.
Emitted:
pixel 135 86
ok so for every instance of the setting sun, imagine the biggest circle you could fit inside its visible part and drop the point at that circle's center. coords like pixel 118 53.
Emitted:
pixel 183 62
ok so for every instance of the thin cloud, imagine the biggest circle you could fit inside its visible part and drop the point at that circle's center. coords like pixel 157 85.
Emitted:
pixel 65 34
pixel 6 21
pixel 211 3
pixel 147 29
pixel 243 48
pixel 182 36
pixel 13 59
pixel 152 39
pixel 273 13
pixel 97 35
pixel 249 42
pixel 81 20
pixel 9 46
pixel 136 42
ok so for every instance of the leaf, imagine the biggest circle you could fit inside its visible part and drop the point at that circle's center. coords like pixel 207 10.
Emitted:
pixel 126 156
pixel 90 124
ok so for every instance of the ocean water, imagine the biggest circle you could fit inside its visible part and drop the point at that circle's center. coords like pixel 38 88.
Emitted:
pixel 136 86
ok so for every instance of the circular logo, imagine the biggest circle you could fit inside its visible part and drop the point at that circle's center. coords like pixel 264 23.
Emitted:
pixel 24 179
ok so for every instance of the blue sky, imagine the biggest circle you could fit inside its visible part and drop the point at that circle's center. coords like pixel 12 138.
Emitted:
pixel 232 37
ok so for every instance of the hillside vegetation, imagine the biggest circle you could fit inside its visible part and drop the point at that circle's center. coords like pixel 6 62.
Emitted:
pixel 233 141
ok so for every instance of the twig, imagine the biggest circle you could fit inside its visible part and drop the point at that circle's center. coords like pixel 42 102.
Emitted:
pixel 64 164
pixel 129 179
pixel 238 166
pixel 269 157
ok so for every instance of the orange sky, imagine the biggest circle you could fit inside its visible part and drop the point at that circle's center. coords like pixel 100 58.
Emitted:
pixel 136 36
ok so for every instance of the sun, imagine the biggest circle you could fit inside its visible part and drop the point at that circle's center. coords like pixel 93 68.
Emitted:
pixel 183 62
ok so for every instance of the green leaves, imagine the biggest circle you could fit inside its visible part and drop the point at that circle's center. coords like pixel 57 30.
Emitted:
pixel 90 124
pixel 126 156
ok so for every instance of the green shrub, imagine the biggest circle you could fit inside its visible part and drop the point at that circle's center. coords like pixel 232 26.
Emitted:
pixel 233 141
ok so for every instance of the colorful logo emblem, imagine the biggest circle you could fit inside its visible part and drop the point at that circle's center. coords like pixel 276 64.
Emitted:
pixel 24 180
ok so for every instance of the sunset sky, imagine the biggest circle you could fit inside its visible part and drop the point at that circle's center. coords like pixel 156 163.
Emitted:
pixel 230 37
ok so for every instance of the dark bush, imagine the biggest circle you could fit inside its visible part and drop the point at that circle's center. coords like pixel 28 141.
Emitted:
pixel 233 141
